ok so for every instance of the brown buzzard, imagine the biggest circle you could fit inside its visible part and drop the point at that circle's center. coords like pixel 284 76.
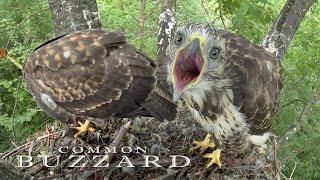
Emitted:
pixel 229 84
pixel 94 75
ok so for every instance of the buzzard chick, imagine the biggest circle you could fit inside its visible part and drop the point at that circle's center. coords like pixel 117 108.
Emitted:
pixel 95 75
pixel 229 84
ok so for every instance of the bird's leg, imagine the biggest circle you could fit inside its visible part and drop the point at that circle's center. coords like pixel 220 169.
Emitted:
pixel 205 144
pixel 83 128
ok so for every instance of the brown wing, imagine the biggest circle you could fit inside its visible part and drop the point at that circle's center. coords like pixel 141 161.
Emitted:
pixel 257 78
pixel 89 73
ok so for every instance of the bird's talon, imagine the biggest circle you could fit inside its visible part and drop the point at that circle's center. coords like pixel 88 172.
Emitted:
pixel 203 145
pixel 80 123
pixel 91 129
pixel 83 128
pixel 214 158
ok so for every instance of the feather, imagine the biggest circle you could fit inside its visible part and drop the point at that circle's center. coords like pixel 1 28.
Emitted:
pixel 93 74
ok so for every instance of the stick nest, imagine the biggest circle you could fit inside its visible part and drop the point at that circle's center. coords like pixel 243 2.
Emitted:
pixel 161 139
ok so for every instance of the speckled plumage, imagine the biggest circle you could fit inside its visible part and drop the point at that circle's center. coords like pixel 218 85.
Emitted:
pixel 95 75
pixel 236 95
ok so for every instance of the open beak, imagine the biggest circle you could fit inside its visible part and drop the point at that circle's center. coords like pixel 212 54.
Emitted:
pixel 187 67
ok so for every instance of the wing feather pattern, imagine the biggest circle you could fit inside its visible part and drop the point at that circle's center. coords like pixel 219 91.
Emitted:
pixel 90 73
pixel 257 77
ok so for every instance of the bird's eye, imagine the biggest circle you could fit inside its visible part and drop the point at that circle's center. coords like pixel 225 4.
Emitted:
pixel 214 53
pixel 178 39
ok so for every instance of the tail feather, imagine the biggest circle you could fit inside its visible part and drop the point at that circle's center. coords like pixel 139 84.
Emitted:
pixel 160 105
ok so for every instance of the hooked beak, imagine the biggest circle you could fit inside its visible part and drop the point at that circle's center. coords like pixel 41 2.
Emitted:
pixel 187 67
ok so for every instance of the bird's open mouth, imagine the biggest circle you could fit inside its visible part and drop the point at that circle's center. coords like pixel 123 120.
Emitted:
pixel 188 67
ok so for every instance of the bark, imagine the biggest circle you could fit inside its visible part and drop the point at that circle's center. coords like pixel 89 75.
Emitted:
pixel 141 21
pixel 166 27
pixel 282 31
pixel 73 15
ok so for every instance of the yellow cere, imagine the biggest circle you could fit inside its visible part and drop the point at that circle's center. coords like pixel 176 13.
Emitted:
pixel 202 44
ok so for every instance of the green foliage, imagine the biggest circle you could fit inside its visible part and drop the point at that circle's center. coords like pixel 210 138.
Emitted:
pixel 302 69
pixel 26 24
pixel 23 26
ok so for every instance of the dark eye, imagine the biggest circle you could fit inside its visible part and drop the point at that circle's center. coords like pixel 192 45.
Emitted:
pixel 214 53
pixel 178 39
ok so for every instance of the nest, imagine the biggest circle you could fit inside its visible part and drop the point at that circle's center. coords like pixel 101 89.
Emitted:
pixel 132 139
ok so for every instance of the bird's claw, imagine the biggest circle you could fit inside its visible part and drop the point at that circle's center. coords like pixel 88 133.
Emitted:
pixel 214 158
pixel 203 145
pixel 83 128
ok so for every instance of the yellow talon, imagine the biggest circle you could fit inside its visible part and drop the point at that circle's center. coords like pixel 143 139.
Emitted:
pixel 83 128
pixel 214 158
pixel 203 145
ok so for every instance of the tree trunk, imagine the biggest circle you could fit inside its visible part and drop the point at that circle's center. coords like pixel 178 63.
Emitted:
pixel 73 15
pixel 277 41
pixel 141 22
pixel 282 31
pixel 166 26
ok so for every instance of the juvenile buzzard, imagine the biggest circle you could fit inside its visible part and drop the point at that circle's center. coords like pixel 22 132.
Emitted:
pixel 229 84
pixel 94 75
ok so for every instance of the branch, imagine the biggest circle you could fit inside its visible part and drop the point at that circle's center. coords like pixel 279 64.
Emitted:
pixel 116 142
pixel 154 9
pixel 4 55
pixel 282 31
pixel 119 137
pixel 303 118
pixel 18 26
pixel 220 15
pixel 14 110
pixel 141 21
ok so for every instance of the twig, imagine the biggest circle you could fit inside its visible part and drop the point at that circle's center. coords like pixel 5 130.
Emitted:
pixel 154 9
pixel 17 64
pixel 117 141
pixel 13 112
pixel 292 102
pixel 283 175
pixel 9 153
pixel 120 135
pixel 220 14
pixel 205 10
pixel 17 149
pixel 20 23
pixel 275 162
pixel 295 165
pixel 296 127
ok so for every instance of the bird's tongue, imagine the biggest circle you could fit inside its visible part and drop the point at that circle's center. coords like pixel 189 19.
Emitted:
pixel 187 69
pixel 188 66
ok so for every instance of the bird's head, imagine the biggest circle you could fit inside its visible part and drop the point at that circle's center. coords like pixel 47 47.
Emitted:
pixel 194 56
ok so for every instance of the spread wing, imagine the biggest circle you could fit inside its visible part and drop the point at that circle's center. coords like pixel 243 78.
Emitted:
pixel 257 80
pixel 89 73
